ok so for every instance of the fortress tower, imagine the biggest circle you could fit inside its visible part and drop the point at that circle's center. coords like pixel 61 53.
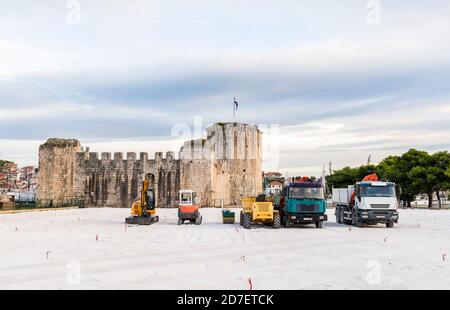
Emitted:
pixel 57 171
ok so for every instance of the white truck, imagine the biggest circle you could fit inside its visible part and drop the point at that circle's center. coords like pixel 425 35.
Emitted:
pixel 368 202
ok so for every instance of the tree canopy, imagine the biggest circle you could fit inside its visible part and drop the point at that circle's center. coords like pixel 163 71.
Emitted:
pixel 415 172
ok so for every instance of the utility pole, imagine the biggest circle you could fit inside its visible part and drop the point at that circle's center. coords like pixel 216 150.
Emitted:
pixel 330 167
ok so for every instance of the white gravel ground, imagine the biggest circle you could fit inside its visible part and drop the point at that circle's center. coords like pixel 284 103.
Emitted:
pixel 60 250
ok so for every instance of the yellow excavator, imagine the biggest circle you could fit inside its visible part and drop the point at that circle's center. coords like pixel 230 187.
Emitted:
pixel 143 211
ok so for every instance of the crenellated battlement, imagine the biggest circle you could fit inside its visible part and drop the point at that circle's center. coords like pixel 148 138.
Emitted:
pixel 131 157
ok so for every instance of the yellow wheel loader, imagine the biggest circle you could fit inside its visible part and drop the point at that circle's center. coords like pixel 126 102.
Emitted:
pixel 257 210
pixel 143 211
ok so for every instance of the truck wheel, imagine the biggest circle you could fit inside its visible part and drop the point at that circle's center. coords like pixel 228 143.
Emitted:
pixel 287 222
pixel 355 221
pixel 390 224
pixel 319 224
pixel 199 220
pixel 246 221
pixel 340 216
pixel 277 221
pixel 180 221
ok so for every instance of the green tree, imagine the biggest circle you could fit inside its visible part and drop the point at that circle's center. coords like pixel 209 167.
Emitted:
pixel 363 171
pixel 341 178
pixel 431 177
pixel 387 169
pixel 441 160
pixel 3 162
pixel 398 169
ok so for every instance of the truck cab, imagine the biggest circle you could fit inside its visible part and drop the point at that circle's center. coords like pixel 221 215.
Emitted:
pixel 303 203
pixel 376 202
pixel 367 202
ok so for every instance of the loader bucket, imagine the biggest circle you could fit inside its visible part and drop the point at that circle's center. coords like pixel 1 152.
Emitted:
pixel 247 203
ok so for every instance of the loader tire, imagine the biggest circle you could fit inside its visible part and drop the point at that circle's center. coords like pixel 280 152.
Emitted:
pixel 246 221
pixel 240 219
pixel 276 221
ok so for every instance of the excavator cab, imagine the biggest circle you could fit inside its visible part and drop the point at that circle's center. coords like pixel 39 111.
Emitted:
pixel 188 210
pixel 143 211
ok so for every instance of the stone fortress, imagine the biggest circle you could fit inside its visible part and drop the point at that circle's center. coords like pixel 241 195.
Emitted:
pixel 221 169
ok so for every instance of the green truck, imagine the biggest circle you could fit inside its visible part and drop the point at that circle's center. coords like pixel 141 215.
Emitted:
pixel 303 203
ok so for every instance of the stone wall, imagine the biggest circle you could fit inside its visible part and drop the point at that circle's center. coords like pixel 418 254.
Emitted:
pixel 221 168
pixel 116 181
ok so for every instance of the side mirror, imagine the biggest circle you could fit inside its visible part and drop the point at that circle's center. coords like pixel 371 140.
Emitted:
pixel 358 193
pixel 399 191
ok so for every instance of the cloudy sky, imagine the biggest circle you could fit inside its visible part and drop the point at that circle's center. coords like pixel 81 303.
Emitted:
pixel 341 81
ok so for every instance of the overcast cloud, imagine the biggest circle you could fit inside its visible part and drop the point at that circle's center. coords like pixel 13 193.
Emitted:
pixel 340 89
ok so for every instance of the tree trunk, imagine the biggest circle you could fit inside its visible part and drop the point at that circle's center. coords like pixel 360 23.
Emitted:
pixel 439 199
pixel 430 200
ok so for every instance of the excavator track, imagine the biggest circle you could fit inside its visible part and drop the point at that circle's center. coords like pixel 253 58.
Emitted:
pixel 141 220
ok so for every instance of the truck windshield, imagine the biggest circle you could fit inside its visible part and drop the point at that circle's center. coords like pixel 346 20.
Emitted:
pixel 306 193
pixel 377 191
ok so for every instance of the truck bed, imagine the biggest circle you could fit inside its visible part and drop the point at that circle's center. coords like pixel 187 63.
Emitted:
pixel 341 195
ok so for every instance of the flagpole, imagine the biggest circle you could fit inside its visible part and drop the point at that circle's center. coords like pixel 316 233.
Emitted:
pixel 234 110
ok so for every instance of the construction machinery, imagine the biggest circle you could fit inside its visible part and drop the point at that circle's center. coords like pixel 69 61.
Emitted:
pixel 303 202
pixel 258 210
pixel 368 202
pixel 143 211
pixel 187 209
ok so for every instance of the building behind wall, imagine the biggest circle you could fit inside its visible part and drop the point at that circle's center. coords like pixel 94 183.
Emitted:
pixel 221 168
